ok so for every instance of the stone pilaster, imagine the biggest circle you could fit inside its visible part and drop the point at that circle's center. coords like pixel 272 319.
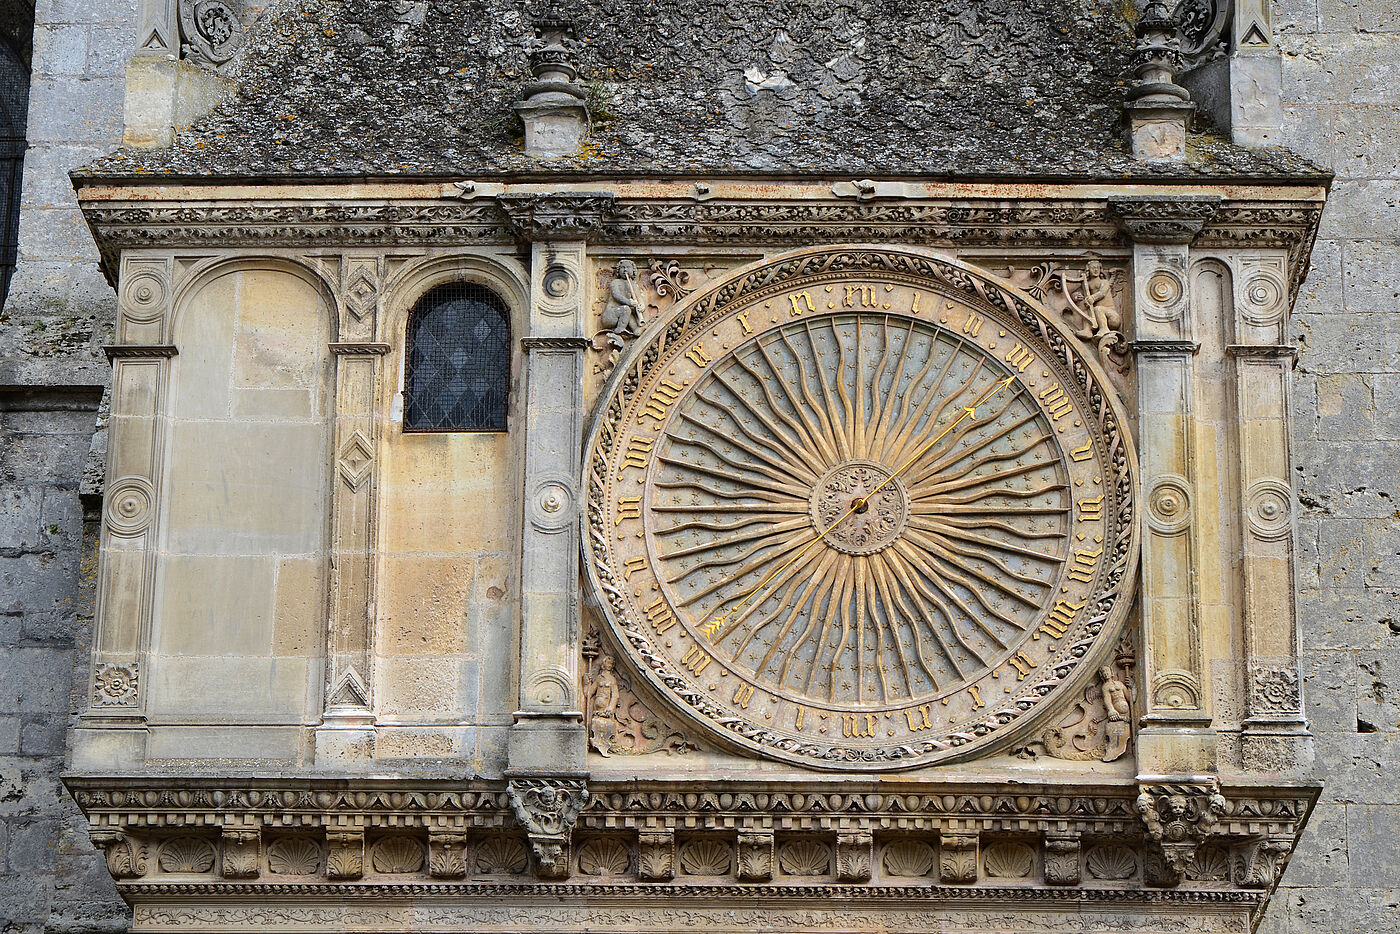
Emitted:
pixel 1175 735
pixel 1275 732
pixel 127 558
pixel 347 720
pixel 549 735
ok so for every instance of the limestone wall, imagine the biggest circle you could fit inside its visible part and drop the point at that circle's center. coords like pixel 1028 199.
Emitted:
pixel 1342 108
pixel 56 317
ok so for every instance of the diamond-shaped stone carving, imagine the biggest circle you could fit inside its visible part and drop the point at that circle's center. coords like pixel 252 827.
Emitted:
pixel 356 460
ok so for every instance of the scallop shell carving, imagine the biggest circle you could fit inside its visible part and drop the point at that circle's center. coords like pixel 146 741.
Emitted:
pixel 805 858
pixel 397 855
pixel 1210 865
pixel 187 854
pixel 706 858
pixel 1112 863
pixel 501 855
pixel 293 856
pixel 1008 860
pixel 603 858
pixel 908 858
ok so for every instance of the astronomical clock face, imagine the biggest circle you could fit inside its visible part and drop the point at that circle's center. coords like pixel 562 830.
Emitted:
pixel 860 509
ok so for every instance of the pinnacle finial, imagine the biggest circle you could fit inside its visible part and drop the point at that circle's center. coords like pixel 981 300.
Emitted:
pixel 1158 108
pixel 553 111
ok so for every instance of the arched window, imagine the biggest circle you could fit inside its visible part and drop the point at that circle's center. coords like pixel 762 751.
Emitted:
pixel 457 371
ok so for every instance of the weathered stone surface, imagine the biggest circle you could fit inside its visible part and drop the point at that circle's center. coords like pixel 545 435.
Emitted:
pixel 928 86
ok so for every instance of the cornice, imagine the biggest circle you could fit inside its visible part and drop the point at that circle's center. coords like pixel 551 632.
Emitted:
pixel 1087 220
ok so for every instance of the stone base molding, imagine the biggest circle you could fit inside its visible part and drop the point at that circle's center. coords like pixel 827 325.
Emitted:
pixel 378 854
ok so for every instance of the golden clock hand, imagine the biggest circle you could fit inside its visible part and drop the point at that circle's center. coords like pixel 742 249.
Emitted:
pixel 713 626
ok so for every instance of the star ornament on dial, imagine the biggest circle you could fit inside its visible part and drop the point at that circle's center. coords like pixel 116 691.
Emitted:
pixel 861 509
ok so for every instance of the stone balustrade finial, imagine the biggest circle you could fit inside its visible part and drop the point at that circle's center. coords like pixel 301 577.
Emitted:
pixel 1158 108
pixel 553 111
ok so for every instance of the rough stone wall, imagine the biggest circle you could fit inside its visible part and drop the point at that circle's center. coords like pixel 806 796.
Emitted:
pixel 55 320
pixel 1342 109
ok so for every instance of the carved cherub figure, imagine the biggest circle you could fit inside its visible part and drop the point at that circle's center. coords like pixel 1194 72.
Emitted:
pixel 1117 729
pixel 622 316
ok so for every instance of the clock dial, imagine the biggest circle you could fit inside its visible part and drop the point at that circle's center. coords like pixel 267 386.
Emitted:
pixel 860 519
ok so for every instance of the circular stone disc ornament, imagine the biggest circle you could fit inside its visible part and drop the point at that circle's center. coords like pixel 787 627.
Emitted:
pixel 861 509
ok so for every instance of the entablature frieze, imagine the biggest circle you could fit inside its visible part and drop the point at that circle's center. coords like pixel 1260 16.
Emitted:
pixel 1010 218
pixel 1102 841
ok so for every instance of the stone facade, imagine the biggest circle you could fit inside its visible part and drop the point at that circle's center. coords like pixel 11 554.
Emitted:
pixel 1346 875
pixel 417 685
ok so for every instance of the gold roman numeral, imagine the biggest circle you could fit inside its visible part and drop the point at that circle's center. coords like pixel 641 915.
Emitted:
pixel 922 722
pixel 1082 453
pixel 1056 403
pixel 864 295
pixel 857 725
pixel 973 324
pixel 1023 665
pixel 743 317
pixel 632 565
pixel 1020 358
pixel 977 702
pixel 662 398
pixel 806 299
pixel 695 659
pixel 1091 509
pixel 743 695
pixel 698 356
pixel 628 507
pixel 1082 569
pixel 659 615
pixel 638 453
pixel 1059 620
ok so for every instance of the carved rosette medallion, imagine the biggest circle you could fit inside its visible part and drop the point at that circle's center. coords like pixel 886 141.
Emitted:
pixel 861 508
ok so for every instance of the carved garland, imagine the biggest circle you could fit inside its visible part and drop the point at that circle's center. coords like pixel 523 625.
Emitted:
pixel 967 287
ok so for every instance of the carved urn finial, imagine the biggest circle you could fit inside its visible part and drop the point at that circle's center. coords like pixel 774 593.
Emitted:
pixel 553 111
pixel 1158 108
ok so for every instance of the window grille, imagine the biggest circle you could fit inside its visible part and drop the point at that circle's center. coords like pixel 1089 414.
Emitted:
pixel 457 371
pixel 14 102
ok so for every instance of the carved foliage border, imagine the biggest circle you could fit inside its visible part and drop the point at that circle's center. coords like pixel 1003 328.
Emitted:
pixel 962 284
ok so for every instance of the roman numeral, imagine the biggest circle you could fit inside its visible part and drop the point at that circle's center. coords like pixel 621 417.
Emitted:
pixel 743 695
pixel 659 615
pixel 922 722
pixel 698 356
pixel 977 703
pixel 695 659
pixel 1056 403
pixel 1059 620
pixel 1023 665
pixel 973 324
pixel 864 293
pixel 637 454
pixel 797 306
pixel 1082 453
pixel 662 398
pixel 628 507
pixel 854 724
pixel 1020 358
pixel 632 565
pixel 1091 509
pixel 1082 569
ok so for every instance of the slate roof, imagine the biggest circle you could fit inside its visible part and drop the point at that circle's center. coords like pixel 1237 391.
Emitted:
pixel 847 88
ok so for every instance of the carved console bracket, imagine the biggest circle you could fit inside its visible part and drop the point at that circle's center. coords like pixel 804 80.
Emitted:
pixel 547 807
pixel 1151 219
pixel 1179 817
pixel 575 216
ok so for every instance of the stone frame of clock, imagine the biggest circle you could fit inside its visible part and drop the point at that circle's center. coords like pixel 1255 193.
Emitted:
pixel 925 577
